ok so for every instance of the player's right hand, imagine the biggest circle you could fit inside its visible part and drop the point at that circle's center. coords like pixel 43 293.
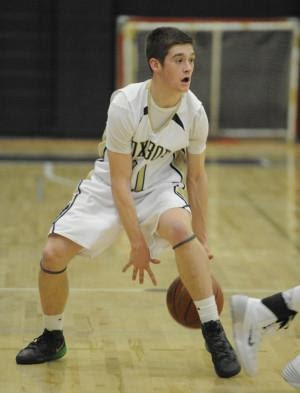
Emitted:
pixel 140 260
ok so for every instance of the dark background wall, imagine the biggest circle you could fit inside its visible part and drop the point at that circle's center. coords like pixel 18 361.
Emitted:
pixel 57 57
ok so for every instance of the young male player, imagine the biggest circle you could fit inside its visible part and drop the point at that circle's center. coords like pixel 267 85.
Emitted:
pixel 252 318
pixel 137 185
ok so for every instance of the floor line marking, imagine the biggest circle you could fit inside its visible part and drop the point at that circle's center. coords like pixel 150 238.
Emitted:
pixel 157 290
pixel 48 170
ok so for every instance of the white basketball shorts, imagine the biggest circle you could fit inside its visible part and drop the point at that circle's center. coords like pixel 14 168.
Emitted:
pixel 91 219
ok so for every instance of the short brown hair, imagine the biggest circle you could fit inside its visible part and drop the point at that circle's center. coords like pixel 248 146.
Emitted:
pixel 160 40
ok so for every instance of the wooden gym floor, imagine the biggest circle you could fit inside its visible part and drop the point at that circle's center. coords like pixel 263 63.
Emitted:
pixel 120 336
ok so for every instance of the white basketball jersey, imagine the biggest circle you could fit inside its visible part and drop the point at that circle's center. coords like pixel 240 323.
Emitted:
pixel 153 151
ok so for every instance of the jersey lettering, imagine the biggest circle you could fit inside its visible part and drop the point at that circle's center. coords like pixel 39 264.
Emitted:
pixel 143 146
pixel 148 150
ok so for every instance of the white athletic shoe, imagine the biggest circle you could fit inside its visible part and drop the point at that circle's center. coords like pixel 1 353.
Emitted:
pixel 247 331
pixel 291 372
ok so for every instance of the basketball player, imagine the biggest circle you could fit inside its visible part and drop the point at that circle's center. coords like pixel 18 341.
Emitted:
pixel 137 185
pixel 252 318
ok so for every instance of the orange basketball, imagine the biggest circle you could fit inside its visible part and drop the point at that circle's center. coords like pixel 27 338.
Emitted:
pixel 181 305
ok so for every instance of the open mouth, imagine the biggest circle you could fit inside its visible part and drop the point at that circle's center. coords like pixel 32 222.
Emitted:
pixel 185 80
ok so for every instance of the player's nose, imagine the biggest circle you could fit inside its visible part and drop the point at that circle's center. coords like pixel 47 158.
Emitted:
pixel 188 67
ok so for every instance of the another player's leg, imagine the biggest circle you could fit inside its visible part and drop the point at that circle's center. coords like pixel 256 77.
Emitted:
pixel 252 318
pixel 54 288
pixel 193 267
pixel 291 372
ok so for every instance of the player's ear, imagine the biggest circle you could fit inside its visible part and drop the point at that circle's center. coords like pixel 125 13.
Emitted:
pixel 154 64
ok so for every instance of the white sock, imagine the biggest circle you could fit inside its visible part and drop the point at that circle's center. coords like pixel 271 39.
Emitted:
pixel 292 298
pixel 207 309
pixel 54 322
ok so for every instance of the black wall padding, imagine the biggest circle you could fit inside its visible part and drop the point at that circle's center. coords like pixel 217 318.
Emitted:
pixel 56 68
pixel 27 68
pixel 84 67
pixel 211 8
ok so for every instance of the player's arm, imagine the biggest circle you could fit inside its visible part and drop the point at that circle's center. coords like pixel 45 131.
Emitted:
pixel 119 133
pixel 197 177
pixel 118 141
pixel 120 171
pixel 198 195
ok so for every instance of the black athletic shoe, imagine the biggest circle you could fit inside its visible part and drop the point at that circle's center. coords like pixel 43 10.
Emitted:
pixel 49 346
pixel 222 353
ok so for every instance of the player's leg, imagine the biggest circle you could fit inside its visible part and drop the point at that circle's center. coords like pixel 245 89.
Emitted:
pixel 54 288
pixel 92 222
pixel 191 259
pixel 252 318
pixel 53 278
pixel 193 267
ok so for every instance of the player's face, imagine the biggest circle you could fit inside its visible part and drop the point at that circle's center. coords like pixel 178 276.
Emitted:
pixel 178 67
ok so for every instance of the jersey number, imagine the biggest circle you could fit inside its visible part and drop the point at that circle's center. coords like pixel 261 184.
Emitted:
pixel 140 179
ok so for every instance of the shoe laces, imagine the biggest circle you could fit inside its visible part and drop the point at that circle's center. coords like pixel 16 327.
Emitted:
pixel 222 348
pixel 43 340
pixel 217 341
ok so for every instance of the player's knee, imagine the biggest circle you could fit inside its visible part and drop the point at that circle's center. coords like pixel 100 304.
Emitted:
pixel 179 231
pixel 53 259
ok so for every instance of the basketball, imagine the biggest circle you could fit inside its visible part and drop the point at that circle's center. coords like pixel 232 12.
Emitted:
pixel 181 305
